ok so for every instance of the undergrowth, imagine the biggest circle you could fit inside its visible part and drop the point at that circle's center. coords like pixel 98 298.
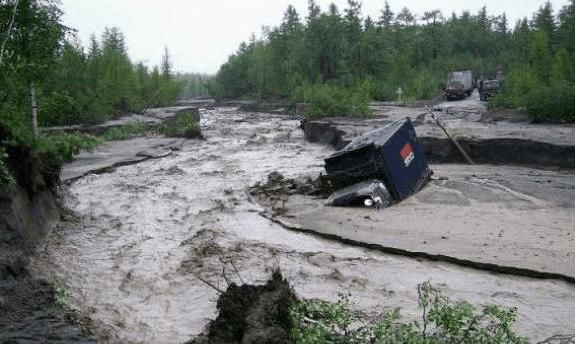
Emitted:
pixel 6 177
pixel 61 148
pixel 185 124
pixel 326 100
pixel 126 132
pixel 443 321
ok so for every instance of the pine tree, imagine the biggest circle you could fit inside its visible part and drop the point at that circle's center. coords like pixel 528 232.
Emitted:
pixel 313 10
pixel 166 64
pixel 544 20
pixel 540 57
pixel 387 16
pixel 405 17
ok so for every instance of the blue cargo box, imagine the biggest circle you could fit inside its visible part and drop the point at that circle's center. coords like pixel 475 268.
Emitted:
pixel 391 153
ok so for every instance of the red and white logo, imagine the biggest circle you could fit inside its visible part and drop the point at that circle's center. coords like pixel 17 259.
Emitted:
pixel 407 154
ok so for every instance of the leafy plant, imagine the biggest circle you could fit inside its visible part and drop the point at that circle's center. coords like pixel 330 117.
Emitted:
pixel 61 148
pixel 6 177
pixel 61 296
pixel 325 100
pixel 443 321
pixel 126 132
pixel 184 124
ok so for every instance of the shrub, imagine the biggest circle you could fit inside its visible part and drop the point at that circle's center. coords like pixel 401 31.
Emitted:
pixel 325 100
pixel 552 103
pixel 183 124
pixel 443 321
pixel 126 132
pixel 61 148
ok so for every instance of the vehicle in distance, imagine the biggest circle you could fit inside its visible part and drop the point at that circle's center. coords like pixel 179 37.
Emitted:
pixel 459 85
pixel 488 89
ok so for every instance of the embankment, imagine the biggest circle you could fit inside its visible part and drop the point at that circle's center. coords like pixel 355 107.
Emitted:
pixel 28 309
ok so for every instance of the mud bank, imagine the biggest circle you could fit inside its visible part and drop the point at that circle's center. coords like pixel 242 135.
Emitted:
pixel 111 155
pixel 252 314
pixel 28 313
pixel 440 150
pixel 27 209
pixel 152 118
pixel 143 234
pixel 24 221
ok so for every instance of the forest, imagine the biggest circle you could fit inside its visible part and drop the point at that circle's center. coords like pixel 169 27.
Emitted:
pixel 337 61
pixel 70 85
pixel 48 78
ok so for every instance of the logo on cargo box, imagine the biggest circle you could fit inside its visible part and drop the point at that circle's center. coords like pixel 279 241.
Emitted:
pixel 407 154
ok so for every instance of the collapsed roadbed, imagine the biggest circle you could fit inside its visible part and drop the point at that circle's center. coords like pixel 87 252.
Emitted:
pixel 512 220
pixel 500 218
pixel 488 138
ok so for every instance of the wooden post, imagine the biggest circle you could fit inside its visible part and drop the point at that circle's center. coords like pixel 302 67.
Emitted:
pixel 463 152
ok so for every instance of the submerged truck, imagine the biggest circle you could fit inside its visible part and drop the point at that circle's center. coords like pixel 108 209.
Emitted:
pixel 459 85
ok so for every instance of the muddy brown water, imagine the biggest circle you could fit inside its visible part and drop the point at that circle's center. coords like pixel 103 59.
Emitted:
pixel 142 234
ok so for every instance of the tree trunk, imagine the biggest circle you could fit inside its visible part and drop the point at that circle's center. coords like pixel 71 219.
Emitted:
pixel 34 108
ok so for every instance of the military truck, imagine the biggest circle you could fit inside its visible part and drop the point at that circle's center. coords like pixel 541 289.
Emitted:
pixel 459 85
pixel 488 88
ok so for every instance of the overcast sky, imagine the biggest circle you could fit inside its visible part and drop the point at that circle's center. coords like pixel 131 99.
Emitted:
pixel 201 34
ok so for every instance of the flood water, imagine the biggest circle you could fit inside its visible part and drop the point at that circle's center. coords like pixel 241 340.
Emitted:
pixel 139 238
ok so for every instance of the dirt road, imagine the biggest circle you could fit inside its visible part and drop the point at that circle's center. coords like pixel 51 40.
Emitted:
pixel 142 234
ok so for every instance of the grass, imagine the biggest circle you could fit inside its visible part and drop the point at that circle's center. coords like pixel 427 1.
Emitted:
pixel 62 147
pixel 126 132
pixel 442 321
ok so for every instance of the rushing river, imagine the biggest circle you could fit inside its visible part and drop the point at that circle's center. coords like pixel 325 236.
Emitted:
pixel 131 252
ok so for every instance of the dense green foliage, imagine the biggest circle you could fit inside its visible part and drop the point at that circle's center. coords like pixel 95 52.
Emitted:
pixel 47 78
pixel 443 321
pixel 184 124
pixel 72 85
pixel 333 100
pixel 61 148
pixel 328 53
pixel 126 132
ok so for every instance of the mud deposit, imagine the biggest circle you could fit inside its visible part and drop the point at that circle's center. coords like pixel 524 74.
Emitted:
pixel 144 233
pixel 252 314
pixel 29 315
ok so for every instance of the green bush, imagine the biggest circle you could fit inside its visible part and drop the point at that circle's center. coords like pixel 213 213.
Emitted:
pixel 184 124
pixel 61 148
pixel 552 103
pixel 327 100
pixel 443 321
pixel 126 132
